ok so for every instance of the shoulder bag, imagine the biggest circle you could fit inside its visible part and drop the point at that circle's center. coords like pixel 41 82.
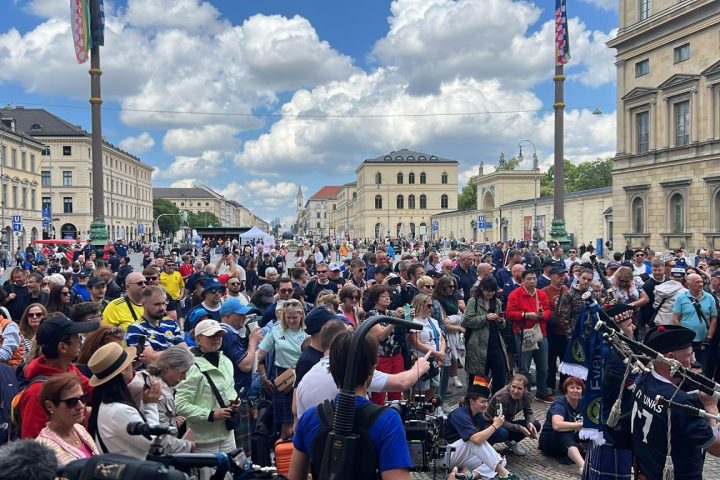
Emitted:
pixel 235 419
pixel 532 336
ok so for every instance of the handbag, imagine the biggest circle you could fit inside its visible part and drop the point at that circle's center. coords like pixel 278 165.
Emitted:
pixel 285 381
pixel 532 336
pixel 434 369
pixel 235 419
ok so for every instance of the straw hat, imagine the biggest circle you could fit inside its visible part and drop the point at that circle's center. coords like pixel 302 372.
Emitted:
pixel 108 361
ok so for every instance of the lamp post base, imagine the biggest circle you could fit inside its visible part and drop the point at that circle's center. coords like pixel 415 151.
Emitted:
pixel 558 233
pixel 98 236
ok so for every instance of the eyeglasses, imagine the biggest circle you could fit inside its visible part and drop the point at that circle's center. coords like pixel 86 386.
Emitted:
pixel 73 401
pixel 233 284
pixel 35 315
pixel 286 290
pixel 639 255
pixel 64 293
pixel 151 279
pixel 322 271
pixel 142 284
pixel 572 251
pixel 430 286
pixel 429 305
pixel 216 291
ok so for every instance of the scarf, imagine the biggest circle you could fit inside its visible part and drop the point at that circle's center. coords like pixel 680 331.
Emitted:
pixel 450 304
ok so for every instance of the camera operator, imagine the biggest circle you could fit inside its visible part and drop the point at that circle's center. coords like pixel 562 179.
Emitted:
pixel 391 456
pixel 467 431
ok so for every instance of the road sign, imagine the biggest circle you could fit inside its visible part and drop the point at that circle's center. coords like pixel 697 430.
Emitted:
pixel 435 226
pixel 488 225
pixel 17 233
pixel 17 223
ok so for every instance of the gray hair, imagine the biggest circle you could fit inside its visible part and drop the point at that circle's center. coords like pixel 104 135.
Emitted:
pixel 271 271
pixel 57 279
pixel 176 356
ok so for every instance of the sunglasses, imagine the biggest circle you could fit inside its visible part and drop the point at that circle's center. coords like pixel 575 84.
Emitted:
pixel 639 255
pixel 572 251
pixel 151 279
pixel 73 401
pixel 322 271
pixel 429 305
pixel 233 284
pixel 356 298
pixel 431 287
pixel 286 290
pixel 35 315
pixel 216 291
pixel 65 293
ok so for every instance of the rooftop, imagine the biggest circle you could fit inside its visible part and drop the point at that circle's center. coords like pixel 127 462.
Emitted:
pixel 191 192
pixel 408 156
pixel 328 191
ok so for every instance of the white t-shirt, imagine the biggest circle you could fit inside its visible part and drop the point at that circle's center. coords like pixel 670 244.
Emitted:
pixel 427 335
pixel 318 385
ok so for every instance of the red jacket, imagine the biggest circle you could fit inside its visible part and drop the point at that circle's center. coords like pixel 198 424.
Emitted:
pixel 520 301
pixel 32 413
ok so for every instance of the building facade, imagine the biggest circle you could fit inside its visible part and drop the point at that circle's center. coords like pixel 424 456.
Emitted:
pixel 666 174
pixel 20 160
pixel 67 176
pixel 315 217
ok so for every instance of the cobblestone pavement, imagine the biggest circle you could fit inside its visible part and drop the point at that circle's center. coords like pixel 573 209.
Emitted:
pixel 535 465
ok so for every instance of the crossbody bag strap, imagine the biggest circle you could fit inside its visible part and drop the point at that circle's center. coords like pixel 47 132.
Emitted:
pixel 214 389
pixel 132 311
pixel 700 315
pixel 435 334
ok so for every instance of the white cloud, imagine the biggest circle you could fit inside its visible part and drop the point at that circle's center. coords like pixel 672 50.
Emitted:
pixel 205 166
pixel 193 141
pixel 188 15
pixel 183 183
pixel 603 4
pixel 261 194
pixel 138 144
pixel 590 48
pixel 48 8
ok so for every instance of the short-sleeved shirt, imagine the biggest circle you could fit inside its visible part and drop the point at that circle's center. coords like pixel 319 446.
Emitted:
pixel 561 407
pixel 461 425
pixel 159 338
pixel 308 358
pixel 387 435
pixel 688 315
pixel 690 434
pixel 235 346
pixel 173 283
pixel 428 336
pixel 122 312
pixel 286 345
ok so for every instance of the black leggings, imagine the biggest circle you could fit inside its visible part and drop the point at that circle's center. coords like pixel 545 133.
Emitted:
pixel 556 444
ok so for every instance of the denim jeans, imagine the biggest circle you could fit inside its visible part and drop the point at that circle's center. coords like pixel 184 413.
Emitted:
pixel 541 363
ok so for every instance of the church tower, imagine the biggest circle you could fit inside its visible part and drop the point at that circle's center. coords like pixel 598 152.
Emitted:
pixel 299 197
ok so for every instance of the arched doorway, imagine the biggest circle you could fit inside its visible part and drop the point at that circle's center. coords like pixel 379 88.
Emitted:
pixel 378 230
pixel 488 203
pixel 68 231
pixel 34 234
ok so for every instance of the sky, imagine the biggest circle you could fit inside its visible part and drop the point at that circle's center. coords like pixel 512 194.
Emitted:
pixel 257 97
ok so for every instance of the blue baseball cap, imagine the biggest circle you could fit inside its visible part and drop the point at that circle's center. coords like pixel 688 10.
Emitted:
pixel 233 305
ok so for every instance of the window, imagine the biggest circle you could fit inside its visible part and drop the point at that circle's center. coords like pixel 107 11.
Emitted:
pixel 15 197
pixel 717 211
pixel 411 201
pixel 423 178
pixel 318 225
pixel 444 178
pixel 67 150
pixel 32 163
pixel 677 212
pixel 378 178
pixel 4 195
pixel 23 160
pixel 32 199
pixel 444 201
pixel 682 123
pixel 354 195
pixel 411 178
pixel 378 202
pixel 642 126
pixel 67 205
pixel 423 202
pixel 642 68
pixel 23 200
pixel 13 158
pixel 682 53
pixel 67 178
pixel 45 178
pixel 45 152
pixel 637 211
pixel 46 204
pixel 400 202
pixel 334 206
pixel 400 178
pixel 4 155
pixel 317 214
pixel 644 9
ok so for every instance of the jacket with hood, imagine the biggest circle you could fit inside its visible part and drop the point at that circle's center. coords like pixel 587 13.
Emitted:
pixel 665 295
pixel 32 413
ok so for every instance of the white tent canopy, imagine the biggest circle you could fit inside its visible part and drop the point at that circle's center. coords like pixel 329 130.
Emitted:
pixel 255 236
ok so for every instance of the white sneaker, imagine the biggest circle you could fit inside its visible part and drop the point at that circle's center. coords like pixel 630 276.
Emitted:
pixel 456 382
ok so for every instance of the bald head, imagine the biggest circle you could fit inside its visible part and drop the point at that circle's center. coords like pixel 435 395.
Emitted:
pixel 694 283
pixel 517 271
pixel 484 270
pixel 134 277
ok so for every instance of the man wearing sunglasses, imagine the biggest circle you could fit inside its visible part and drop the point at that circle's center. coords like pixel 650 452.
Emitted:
pixel 127 309
pixel 286 291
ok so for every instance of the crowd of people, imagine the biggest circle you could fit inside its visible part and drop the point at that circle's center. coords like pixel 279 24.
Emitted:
pixel 221 341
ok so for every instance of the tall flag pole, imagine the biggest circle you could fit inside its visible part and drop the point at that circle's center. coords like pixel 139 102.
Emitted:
pixel 562 56
pixel 88 28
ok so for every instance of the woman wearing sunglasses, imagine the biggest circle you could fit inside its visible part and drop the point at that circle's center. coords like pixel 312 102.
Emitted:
pixel 451 308
pixel 30 321
pixel 63 398
pixel 349 299
pixel 59 300
pixel 428 339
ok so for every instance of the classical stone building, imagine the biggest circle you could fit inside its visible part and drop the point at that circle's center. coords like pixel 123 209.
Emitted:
pixel 666 175
pixel 66 179
pixel 314 221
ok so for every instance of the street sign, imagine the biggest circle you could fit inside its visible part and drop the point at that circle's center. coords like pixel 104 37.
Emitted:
pixel 141 228
pixel 435 226
pixel 17 233
pixel 488 225
pixel 17 223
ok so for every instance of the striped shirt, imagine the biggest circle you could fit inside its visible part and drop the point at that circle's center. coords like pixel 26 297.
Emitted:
pixel 159 338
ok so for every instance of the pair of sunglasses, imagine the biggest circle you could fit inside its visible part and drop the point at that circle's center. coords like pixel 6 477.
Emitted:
pixel 73 401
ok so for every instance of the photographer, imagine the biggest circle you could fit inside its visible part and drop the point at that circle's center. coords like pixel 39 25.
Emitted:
pixel 390 457
pixel 472 436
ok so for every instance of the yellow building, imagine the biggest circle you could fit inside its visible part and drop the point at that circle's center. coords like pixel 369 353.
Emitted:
pixel 666 175
pixel 20 162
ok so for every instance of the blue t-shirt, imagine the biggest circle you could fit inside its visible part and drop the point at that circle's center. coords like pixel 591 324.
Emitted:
pixel 235 348
pixel 387 434
pixel 690 433
pixel 688 314
pixel 461 425
pixel 563 408
pixel 166 334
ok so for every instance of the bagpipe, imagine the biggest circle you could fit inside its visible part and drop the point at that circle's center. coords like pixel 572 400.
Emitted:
pixel 595 334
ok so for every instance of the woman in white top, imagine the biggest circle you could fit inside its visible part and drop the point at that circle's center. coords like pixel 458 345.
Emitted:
pixel 429 339
pixel 113 407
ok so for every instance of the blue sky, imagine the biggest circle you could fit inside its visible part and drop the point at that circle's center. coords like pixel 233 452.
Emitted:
pixel 254 67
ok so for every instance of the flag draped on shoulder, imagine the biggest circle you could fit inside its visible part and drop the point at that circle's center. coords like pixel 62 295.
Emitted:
pixel 562 38
pixel 87 22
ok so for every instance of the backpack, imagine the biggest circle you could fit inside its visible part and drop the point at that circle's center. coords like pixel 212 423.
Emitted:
pixel 364 420
pixel 8 390
pixel 15 419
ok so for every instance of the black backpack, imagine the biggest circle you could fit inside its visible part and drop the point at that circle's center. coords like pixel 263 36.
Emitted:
pixel 364 420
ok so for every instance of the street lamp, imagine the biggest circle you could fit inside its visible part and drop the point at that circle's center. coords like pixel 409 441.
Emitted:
pixel 388 205
pixel 535 235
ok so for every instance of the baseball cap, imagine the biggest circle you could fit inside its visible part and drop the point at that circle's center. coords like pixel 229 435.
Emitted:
pixel 716 274
pixel 612 265
pixel 58 327
pixel 557 269
pixel 233 305
pixel 96 281
pixel 317 317
pixel 677 272
pixel 82 273
pixel 335 266
pixel 207 328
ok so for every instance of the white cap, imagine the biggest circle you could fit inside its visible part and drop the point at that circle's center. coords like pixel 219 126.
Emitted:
pixel 207 328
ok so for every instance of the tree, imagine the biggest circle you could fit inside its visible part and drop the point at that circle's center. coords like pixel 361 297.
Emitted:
pixel 203 219
pixel 468 196
pixel 168 224
pixel 503 164
pixel 583 176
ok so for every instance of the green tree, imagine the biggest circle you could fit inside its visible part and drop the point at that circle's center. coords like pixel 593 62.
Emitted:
pixel 583 176
pixel 503 164
pixel 468 196
pixel 168 224
pixel 203 219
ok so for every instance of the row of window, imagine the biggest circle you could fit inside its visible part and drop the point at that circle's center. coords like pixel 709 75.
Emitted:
pixel 111 185
pixel 400 202
pixel 411 178
pixel 676 214
pixel 13 163
pixel 21 202
pixel 190 204
pixel 111 208
pixel 681 127
pixel 680 54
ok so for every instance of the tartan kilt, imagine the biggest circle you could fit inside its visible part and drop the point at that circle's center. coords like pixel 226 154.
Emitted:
pixel 282 403
pixel 607 463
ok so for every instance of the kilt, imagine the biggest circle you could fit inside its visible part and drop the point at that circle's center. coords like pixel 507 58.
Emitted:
pixel 607 463
pixel 282 403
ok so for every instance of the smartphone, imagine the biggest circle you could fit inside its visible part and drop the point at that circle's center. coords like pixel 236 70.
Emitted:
pixel 140 347
pixel 499 409
pixel 394 281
